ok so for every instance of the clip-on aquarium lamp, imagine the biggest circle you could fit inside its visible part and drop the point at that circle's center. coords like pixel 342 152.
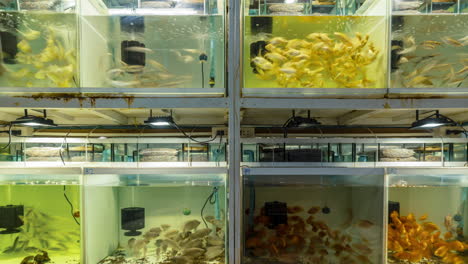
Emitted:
pixel 34 121
pixel 11 218
pixel 432 121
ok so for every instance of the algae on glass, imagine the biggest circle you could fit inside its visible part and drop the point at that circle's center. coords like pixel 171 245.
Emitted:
pixel 427 219
pixel 48 225
pixel 312 219
pixel 429 51
pixel 164 44
pixel 156 219
pixel 39 45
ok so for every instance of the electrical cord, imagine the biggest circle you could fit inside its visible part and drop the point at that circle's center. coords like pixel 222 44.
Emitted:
pixel 211 201
pixel 9 138
pixel 203 75
pixel 193 139
pixel 71 205
pixel 61 146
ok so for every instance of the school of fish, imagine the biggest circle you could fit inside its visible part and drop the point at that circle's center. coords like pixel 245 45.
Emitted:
pixel 190 244
pixel 413 240
pixel 308 240
pixel 54 63
pixel 320 60
pixel 422 64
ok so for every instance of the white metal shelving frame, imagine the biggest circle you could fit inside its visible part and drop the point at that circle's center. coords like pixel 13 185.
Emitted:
pixel 234 102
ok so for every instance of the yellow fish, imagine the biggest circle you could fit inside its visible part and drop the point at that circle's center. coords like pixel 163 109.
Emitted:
pixel 452 42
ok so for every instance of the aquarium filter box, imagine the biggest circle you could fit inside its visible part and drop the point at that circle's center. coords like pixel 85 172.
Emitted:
pixel 10 218
pixel 277 213
pixel 133 218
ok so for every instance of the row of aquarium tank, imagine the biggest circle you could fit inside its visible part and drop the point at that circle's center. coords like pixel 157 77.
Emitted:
pixel 362 151
pixel 125 150
pixel 177 47
pixel 286 215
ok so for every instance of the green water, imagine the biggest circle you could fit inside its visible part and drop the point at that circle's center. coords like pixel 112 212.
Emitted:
pixel 164 204
pixel 173 46
pixel 48 223
pixel 437 203
pixel 27 59
pixel 449 59
pixel 298 27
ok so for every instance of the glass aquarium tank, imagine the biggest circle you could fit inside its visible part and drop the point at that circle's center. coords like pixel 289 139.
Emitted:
pixel 429 44
pixel 426 216
pixel 306 215
pixel 410 152
pixel 155 215
pixel 39 44
pixel 291 46
pixel 40 216
pixel 163 47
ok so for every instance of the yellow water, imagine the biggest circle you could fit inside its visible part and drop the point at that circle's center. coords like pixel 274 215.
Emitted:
pixel 297 27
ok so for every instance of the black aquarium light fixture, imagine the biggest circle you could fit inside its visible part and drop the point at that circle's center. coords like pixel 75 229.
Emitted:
pixel 34 121
pixel 159 121
pixel 301 122
pixel 432 121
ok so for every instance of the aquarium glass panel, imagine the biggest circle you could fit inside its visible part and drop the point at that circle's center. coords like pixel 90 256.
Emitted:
pixel 401 152
pixel 249 153
pixel 429 44
pixel 160 218
pixel 161 47
pixel 456 152
pixel 155 152
pixel 366 152
pixel 40 218
pixel 314 44
pixel 312 218
pixel 39 45
pixel 12 152
pixel 304 153
pixel 432 208
pixel 58 152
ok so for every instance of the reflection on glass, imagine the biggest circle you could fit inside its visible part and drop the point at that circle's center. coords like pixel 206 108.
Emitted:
pixel 156 219
pixel 153 44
